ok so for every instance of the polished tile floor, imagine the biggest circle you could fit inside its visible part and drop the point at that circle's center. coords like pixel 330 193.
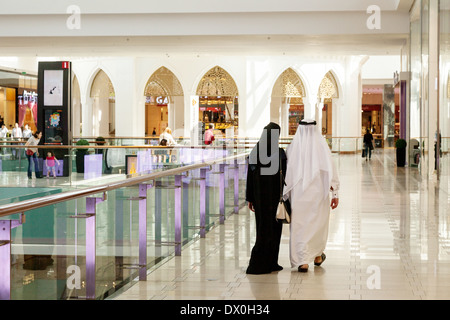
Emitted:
pixel 389 239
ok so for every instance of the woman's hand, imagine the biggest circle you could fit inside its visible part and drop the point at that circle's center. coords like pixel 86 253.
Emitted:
pixel 334 203
pixel 250 206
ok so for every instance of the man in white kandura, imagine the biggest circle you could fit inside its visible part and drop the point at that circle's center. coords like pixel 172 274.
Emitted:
pixel 310 176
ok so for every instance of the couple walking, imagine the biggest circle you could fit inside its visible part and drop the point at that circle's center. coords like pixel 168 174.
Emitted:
pixel 309 177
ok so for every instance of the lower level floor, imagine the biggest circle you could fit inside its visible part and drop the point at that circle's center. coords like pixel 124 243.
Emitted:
pixel 389 238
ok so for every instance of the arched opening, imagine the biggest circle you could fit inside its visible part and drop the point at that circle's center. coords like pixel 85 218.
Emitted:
pixel 103 105
pixel 218 102
pixel 163 95
pixel 328 90
pixel 287 106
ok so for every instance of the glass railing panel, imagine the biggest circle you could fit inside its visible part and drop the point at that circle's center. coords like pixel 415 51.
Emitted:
pixel 191 205
pixel 52 250
pixel 42 249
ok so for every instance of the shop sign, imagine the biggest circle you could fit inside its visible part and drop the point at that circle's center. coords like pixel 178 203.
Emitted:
pixel 162 100
pixel 369 107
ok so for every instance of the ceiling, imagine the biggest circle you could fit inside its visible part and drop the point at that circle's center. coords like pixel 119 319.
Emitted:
pixel 319 28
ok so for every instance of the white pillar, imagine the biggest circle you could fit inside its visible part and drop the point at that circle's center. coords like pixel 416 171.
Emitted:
pixel 128 113
pixel 310 106
pixel 433 73
pixel 275 109
pixel 191 113
pixel 178 116
pixel 87 123
pixel 318 115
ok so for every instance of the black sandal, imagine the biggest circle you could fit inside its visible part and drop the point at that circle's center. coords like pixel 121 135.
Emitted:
pixel 300 269
pixel 323 256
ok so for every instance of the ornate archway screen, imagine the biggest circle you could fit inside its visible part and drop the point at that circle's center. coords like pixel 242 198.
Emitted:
pixel 328 88
pixel 163 83
pixel 289 85
pixel 217 82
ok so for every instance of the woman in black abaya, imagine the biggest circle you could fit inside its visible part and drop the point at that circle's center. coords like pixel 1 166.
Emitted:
pixel 262 195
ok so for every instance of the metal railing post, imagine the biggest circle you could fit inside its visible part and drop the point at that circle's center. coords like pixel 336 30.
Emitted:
pixel 90 215
pixel 202 183
pixel 222 192
pixel 178 215
pixel 5 255
pixel 91 204
pixel 236 186
pixel 143 231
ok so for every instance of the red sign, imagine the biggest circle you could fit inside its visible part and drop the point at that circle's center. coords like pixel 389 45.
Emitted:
pixel 65 64
pixel 371 107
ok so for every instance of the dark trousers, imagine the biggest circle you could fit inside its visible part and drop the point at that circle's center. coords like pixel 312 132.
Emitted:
pixel 36 165
pixel 368 151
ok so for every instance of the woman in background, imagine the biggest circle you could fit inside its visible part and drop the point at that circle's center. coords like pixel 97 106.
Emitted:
pixel 33 153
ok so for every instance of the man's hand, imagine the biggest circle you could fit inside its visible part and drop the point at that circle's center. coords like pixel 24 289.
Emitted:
pixel 334 203
pixel 250 206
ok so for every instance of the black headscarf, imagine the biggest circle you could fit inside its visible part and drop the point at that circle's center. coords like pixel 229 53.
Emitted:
pixel 266 149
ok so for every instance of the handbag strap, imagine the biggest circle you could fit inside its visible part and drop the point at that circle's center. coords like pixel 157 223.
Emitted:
pixel 281 177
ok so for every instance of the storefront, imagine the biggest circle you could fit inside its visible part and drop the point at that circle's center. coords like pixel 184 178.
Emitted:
pixel 220 111
pixel 156 115
pixel 18 99
pixel 296 113
pixel 380 114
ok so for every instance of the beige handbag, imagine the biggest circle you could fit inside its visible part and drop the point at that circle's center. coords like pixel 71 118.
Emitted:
pixel 284 206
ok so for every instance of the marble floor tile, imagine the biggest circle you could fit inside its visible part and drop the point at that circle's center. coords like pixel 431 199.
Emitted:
pixel 388 239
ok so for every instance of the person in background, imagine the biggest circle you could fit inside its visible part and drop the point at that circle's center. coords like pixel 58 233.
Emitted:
pixel 16 131
pixel 368 143
pixel 27 132
pixel 154 132
pixel 209 135
pixel 167 134
pixel 50 164
pixel 310 177
pixel 33 153
pixel 3 131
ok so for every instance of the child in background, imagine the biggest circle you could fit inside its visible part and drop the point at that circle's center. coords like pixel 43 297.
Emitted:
pixel 50 163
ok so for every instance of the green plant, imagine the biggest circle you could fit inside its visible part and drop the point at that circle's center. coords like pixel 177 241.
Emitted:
pixel 400 143
pixel 82 142
pixel 100 140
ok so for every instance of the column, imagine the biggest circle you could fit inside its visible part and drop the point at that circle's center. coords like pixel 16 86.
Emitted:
pixel 433 85
pixel 284 123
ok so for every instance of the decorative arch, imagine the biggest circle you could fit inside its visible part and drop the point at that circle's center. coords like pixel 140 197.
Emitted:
pixel 97 86
pixel 289 85
pixel 217 82
pixel 103 105
pixel 287 106
pixel 218 102
pixel 162 108
pixel 163 82
pixel 328 88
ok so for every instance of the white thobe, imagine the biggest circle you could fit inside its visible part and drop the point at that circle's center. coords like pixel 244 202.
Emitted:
pixel 310 219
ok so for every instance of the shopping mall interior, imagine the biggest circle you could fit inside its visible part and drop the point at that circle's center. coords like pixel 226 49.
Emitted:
pixel 120 216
